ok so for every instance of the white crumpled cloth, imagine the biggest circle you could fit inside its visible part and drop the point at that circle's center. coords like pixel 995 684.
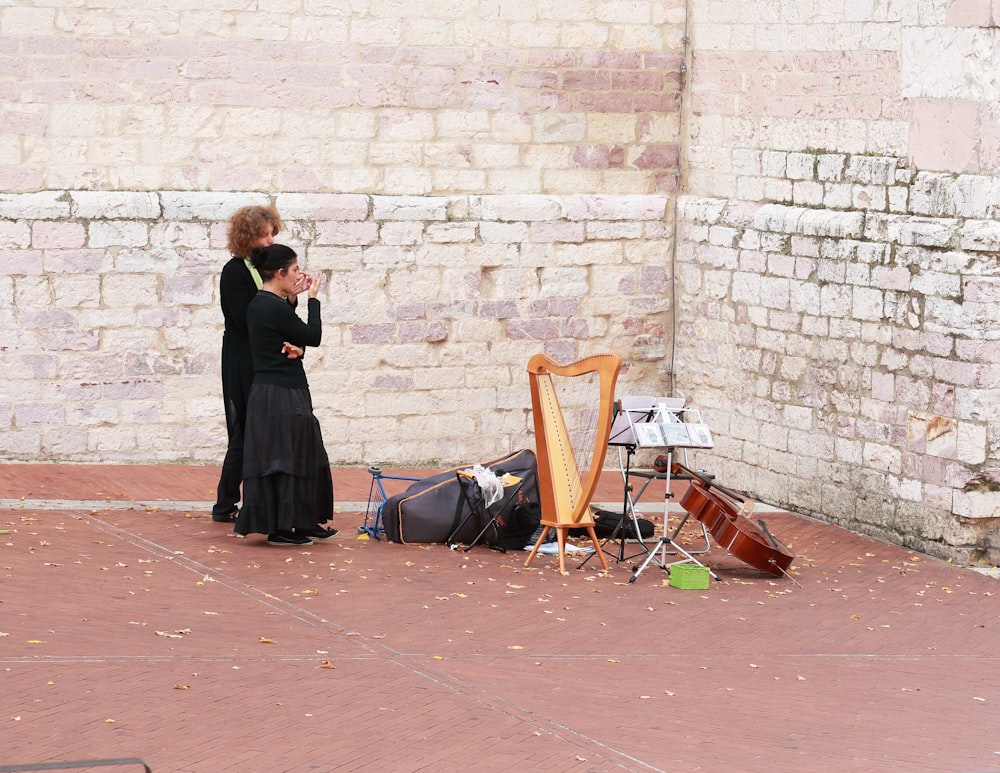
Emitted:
pixel 489 484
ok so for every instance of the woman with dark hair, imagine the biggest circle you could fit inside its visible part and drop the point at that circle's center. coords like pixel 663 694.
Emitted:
pixel 287 484
pixel 249 227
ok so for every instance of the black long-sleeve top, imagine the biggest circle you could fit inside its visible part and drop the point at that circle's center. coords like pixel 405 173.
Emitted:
pixel 272 321
pixel 236 290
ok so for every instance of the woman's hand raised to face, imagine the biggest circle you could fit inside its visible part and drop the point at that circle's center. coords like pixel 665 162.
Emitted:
pixel 314 282
pixel 301 283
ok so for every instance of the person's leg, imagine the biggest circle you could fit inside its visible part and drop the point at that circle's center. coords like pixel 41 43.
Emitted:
pixel 228 492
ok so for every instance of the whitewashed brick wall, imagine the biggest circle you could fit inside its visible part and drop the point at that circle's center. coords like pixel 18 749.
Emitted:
pixel 840 246
pixel 432 307
pixel 479 183
pixel 423 98
pixel 476 183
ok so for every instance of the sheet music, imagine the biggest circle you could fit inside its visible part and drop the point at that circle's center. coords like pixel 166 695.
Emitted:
pixel 649 435
pixel 651 422
pixel 675 434
pixel 701 435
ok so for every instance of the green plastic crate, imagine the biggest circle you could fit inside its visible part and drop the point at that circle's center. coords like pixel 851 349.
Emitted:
pixel 689 577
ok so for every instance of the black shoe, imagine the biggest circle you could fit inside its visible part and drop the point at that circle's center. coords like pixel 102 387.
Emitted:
pixel 287 538
pixel 229 517
pixel 320 532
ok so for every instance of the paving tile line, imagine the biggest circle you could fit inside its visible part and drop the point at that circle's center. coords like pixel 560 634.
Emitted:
pixel 489 701
pixel 153 505
pixel 361 506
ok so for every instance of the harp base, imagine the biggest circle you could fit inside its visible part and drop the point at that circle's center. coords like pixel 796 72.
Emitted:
pixel 561 531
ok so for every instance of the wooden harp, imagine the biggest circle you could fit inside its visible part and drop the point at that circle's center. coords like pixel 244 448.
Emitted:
pixel 565 493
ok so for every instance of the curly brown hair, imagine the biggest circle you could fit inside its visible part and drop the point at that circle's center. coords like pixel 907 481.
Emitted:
pixel 247 225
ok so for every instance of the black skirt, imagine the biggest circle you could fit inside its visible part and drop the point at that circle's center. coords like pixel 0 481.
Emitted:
pixel 287 482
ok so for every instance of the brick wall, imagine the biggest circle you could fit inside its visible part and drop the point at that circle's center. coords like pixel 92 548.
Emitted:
pixel 839 257
pixel 432 308
pixel 482 183
pixel 423 98
pixel 477 184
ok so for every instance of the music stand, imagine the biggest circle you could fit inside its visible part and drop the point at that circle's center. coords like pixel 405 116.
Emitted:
pixel 623 437
pixel 663 425
pixel 629 431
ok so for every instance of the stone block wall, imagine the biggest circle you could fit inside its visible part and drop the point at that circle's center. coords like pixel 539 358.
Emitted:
pixel 424 98
pixel 849 364
pixel 479 183
pixel 432 307
pixel 839 259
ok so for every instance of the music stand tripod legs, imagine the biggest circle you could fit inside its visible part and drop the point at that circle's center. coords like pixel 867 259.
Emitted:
pixel 669 539
pixel 661 548
pixel 629 521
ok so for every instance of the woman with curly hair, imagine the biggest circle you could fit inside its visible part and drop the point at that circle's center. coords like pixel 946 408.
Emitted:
pixel 249 227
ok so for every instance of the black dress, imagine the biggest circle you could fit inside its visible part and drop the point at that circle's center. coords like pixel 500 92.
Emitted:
pixel 236 290
pixel 287 482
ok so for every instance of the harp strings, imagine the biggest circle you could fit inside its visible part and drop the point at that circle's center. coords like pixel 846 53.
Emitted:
pixel 579 400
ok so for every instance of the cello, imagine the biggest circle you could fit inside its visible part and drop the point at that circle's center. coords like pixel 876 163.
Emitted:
pixel 749 540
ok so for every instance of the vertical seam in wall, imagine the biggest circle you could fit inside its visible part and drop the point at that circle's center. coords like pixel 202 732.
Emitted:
pixel 681 122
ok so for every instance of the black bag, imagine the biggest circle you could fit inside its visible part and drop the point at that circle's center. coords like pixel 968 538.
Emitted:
pixel 431 509
pixel 606 522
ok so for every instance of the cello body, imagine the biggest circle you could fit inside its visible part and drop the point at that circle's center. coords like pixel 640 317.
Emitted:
pixel 748 540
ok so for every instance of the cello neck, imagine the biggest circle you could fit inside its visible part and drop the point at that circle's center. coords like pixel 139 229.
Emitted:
pixel 707 482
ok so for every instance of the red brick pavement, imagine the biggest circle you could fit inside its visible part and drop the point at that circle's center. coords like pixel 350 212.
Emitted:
pixel 152 632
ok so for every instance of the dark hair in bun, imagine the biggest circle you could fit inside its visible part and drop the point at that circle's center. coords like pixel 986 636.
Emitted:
pixel 271 259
